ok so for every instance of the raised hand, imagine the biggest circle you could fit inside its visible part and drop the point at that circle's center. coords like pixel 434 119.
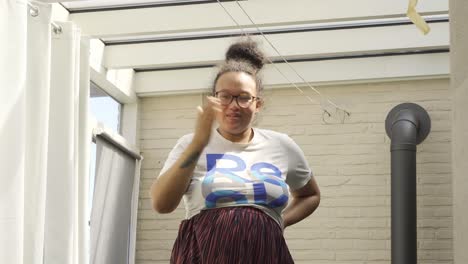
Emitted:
pixel 205 119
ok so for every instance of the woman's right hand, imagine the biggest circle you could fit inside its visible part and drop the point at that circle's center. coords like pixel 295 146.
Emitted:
pixel 205 119
pixel 168 190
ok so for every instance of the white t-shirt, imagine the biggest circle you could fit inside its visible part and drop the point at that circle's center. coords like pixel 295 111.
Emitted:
pixel 258 173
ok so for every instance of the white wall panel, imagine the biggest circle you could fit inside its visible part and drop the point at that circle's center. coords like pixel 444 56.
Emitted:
pixel 291 45
pixel 343 71
pixel 264 12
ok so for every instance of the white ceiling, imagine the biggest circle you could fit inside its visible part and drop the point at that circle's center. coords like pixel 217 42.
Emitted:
pixel 102 4
pixel 157 37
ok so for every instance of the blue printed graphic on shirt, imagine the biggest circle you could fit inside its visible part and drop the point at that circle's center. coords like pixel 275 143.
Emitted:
pixel 260 184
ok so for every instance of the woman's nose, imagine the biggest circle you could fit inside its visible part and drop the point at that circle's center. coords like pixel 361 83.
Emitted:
pixel 233 103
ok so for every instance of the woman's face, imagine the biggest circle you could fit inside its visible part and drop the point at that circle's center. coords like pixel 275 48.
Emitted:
pixel 235 119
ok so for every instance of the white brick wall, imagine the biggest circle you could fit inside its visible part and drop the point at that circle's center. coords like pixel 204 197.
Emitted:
pixel 351 163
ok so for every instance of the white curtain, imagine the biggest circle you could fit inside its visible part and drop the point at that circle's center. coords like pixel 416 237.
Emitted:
pixel 68 162
pixel 113 216
pixel 13 28
pixel 44 138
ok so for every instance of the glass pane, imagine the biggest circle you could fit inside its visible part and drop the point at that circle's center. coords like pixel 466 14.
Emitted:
pixel 107 111
pixel 105 108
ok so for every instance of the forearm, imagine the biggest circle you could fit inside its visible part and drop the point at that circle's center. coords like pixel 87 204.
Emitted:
pixel 299 208
pixel 168 189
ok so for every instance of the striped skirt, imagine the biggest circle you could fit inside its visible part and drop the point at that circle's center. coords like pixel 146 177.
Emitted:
pixel 230 235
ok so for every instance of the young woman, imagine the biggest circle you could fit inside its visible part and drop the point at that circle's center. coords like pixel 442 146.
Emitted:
pixel 241 185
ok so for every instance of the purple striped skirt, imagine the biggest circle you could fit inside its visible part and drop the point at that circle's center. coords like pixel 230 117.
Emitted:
pixel 240 234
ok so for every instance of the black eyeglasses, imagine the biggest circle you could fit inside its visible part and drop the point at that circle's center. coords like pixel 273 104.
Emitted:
pixel 243 100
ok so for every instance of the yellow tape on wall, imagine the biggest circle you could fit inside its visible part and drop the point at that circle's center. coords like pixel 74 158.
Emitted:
pixel 416 18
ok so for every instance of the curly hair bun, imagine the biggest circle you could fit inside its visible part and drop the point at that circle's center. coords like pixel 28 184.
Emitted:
pixel 247 51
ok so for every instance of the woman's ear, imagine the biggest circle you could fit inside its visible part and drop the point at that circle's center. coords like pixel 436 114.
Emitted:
pixel 258 105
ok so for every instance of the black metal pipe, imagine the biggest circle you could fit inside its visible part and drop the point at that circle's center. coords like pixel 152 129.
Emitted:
pixel 403 166
pixel 407 125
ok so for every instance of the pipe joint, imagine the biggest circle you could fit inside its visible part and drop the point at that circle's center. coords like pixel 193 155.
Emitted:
pixel 403 146
pixel 405 118
pixel 406 115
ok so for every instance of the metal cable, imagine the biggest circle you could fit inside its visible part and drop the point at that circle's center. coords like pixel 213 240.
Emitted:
pixel 285 60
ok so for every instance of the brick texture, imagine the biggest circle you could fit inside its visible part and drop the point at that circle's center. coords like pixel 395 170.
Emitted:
pixel 350 160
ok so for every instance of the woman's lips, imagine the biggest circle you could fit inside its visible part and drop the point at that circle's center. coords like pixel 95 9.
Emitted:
pixel 233 116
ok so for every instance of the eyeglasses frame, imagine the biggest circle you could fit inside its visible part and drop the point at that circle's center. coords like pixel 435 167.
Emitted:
pixel 254 98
